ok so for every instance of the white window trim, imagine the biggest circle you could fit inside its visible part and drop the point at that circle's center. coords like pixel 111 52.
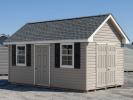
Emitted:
pixel 17 64
pixel 67 66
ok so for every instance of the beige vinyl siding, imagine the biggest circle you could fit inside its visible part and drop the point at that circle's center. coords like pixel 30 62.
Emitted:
pixel 91 66
pixel 107 34
pixel 3 60
pixel 21 74
pixel 69 77
pixel 59 77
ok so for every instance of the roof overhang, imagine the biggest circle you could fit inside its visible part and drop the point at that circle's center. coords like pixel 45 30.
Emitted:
pixel 125 38
pixel 46 41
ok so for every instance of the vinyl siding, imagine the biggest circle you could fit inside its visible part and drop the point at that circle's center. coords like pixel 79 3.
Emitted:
pixel 59 77
pixel 91 66
pixel 3 60
pixel 69 77
pixel 128 59
pixel 21 74
pixel 106 34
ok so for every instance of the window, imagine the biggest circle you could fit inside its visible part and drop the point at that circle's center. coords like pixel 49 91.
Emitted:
pixel 67 55
pixel 21 55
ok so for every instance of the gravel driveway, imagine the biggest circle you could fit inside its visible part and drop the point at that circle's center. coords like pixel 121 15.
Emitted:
pixel 19 92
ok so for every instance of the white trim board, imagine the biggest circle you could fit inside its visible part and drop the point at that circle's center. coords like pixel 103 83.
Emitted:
pixel 49 66
pixel 47 41
pixel 126 41
pixel 34 66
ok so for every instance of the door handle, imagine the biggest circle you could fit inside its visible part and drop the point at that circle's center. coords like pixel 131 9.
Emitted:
pixel 109 67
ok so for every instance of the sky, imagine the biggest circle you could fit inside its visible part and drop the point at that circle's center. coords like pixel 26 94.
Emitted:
pixel 15 13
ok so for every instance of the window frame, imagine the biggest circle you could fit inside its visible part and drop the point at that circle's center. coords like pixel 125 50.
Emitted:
pixel 67 66
pixel 18 64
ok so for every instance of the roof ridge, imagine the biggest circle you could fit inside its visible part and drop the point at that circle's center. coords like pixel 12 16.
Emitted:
pixel 69 18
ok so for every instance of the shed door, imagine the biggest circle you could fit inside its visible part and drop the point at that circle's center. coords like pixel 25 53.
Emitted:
pixel 105 65
pixel 101 65
pixel 111 54
pixel 41 62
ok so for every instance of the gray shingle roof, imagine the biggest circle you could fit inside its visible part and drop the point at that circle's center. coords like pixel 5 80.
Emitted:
pixel 74 28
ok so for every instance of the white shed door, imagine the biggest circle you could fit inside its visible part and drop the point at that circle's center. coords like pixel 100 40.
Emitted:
pixel 105 65
pixel 101 65
pixel 41 65
pixel 111 54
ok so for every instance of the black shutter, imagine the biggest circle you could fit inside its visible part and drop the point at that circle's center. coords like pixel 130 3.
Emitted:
pixel 57 55
pixel 77 55
pixel 13 55
pixel 28 54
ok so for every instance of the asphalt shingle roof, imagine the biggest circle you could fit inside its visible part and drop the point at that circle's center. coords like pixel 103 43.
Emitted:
pixel 74 28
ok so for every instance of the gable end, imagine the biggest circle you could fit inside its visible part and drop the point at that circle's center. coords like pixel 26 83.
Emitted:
pixel 108 34
pixel 125 39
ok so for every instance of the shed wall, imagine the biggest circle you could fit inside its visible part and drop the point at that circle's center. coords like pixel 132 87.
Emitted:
pixel 3 60
pixel 59 77
pixel 21 74
pixel 106 34
pixel 69 77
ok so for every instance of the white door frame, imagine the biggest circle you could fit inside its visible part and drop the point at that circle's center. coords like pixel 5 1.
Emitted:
pixel 97 61
pixel 35 63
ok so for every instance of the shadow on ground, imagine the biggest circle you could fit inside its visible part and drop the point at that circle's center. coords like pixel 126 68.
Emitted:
pixel 4 84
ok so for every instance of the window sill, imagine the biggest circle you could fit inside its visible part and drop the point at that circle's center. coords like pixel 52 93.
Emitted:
pixel 23 65
pixel 67 66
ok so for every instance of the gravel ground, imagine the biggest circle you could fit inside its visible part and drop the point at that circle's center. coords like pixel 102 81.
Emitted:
pixel 19 92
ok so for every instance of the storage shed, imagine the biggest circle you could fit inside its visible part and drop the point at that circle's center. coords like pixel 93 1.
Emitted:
pixel 79 53
pixel 128 57
pixel 3 56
